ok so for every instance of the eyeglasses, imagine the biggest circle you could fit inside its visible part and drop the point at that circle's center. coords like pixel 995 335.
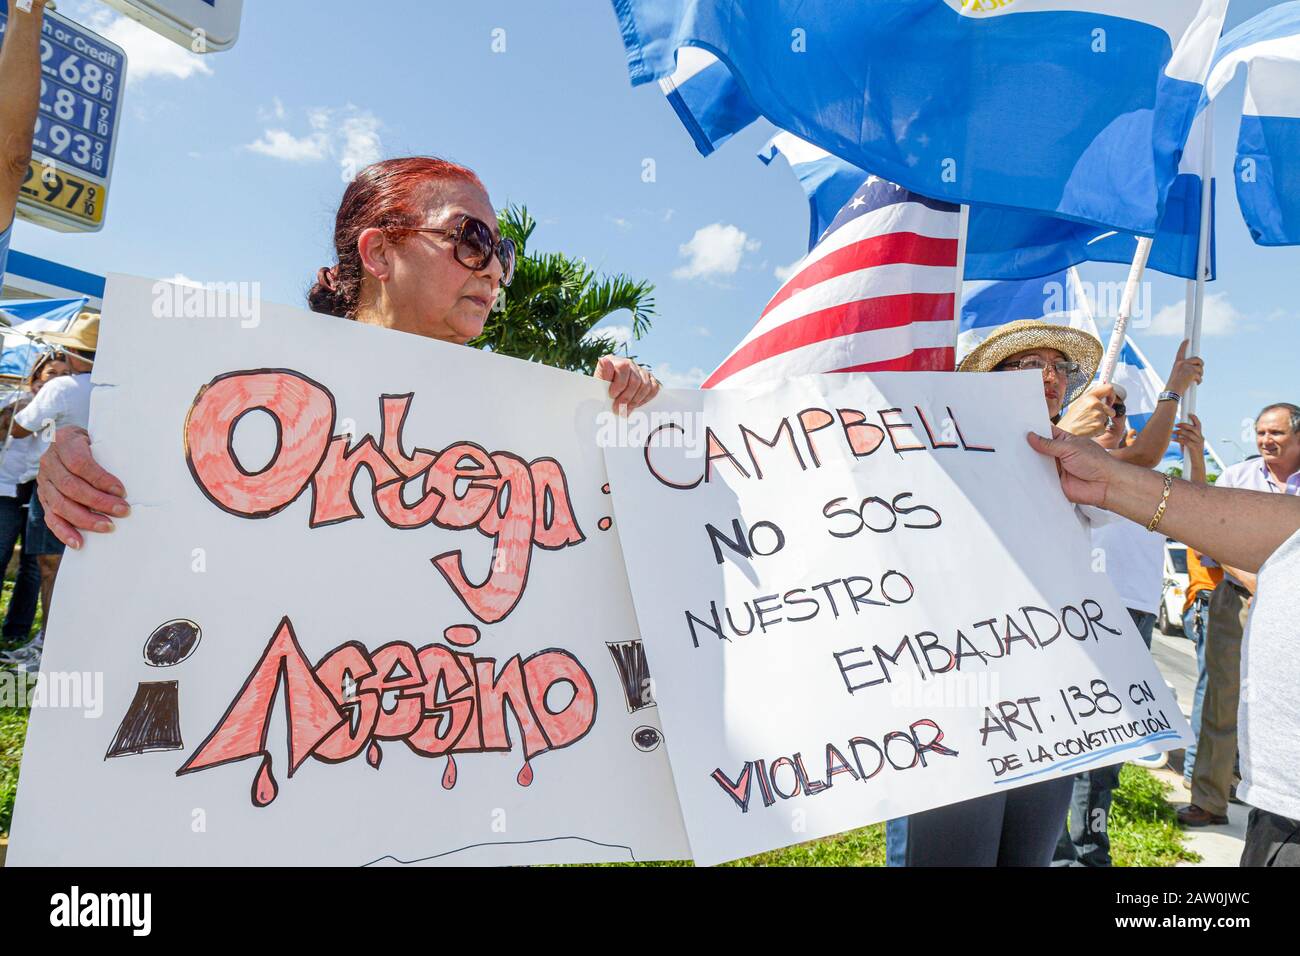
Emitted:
pixel 474 246
pixel 1119 409
pixel 63 355
pixel 1062 368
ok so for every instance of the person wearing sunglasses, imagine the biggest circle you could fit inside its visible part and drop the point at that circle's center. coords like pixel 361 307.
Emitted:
pixel 417 251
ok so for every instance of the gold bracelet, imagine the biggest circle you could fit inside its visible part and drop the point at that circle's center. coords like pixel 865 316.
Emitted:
pixel 1164 503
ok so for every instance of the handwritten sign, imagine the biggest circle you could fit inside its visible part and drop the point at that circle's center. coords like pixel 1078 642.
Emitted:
pixel 862 597
pixel 369 608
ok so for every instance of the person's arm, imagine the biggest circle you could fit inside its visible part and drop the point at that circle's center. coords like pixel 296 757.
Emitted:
pixel 1247 579
pixel 1192 440
pixel 1152 442
pixel 20 79
pixel 1240 528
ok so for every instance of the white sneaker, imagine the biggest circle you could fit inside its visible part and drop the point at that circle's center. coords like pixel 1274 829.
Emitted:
pixel 32 665
pixel 21 654
pixel 1153 761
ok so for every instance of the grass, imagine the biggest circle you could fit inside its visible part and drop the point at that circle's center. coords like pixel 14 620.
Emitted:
pixel 13 728
pixel 13 731
pixel 1144 831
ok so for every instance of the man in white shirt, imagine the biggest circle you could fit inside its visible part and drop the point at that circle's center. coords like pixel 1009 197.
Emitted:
pixel 1276 471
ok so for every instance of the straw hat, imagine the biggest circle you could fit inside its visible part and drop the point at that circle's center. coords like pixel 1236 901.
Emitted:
pixel 1028 334
pixel 82 334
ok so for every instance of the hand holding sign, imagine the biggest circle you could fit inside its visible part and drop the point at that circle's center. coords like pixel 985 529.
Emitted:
pixel 1084 466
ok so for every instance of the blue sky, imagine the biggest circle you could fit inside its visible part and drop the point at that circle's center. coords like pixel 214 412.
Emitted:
pixel 229 168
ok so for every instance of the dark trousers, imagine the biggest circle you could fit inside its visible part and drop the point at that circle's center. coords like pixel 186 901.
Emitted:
pixel 1085 840
pixel 1015 828
pixel 27 583
pixel 1271 840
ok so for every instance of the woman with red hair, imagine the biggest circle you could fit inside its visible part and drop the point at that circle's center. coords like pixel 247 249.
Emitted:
pixel 418 251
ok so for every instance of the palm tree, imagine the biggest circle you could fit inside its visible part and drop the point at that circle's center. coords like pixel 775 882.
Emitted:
pixel 547 313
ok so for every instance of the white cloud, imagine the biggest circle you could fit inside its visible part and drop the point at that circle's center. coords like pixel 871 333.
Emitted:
pixel 147 54
pixel 692 378
pixel 281 144
pixel 276 112
pixel 1220 317
pixel 347 134
pixel 714 250
pixel 620 335
pixel 360 144
pixel 785 272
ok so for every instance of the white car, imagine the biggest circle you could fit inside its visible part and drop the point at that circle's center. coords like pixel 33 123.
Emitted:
pixel 1170 616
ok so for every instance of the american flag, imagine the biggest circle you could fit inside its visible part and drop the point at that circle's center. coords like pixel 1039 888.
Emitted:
pixel 875 294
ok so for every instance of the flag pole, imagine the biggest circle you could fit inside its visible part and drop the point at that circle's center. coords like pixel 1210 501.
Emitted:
pixel 963 224
pixel 1195 312
pixel 1080 294
pixel 1125 309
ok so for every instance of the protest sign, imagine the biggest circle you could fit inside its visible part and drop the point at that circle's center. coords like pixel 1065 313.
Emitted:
pixel 865 596
pixel 369 608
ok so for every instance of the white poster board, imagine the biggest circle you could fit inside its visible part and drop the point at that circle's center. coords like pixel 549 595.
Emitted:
pixel 297 650
pixel 865 596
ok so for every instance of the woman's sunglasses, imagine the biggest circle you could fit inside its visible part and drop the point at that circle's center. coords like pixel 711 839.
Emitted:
pixel 474 246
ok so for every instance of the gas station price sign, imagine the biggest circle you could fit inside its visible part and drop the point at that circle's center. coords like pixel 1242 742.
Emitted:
pixel 82 79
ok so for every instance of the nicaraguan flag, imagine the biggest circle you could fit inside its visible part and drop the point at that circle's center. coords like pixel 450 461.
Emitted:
pixel 1268 141
pixel 1056 298
pixel 1014 244
pixel 1080 108
pixel 707 98
pixel 32 316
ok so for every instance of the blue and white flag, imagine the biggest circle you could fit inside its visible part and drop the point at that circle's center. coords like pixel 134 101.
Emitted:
pixel 28 317
pixel 1268 141
pixel 986 306
pixel 1078 108
pixel 1013 244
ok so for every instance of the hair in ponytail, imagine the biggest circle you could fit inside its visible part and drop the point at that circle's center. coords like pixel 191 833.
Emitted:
pixel 385 195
